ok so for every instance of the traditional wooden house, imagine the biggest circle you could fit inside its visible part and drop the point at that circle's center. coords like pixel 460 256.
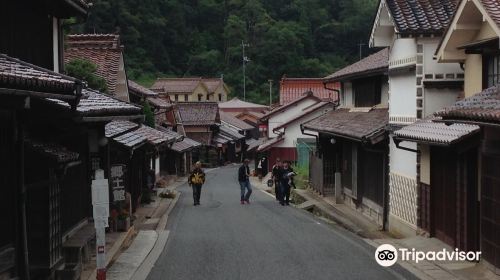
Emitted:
pixel 418 87
pixel 283 126
pixel 447 202
pixel 241 126
pixel 181 89
pixel 136 150
pixel 292 89
pixel 352 141
pixel 106 52
pixel 478 181
pixel 198 121
pixel 472 40
pixel 159 106
pixel 218 91
pixel 230 144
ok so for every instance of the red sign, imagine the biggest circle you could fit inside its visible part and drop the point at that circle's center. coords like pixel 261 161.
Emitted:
pixel 100 250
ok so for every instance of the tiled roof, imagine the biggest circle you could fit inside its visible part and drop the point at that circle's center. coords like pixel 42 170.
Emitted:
pixel 220 138
pixel 52 150
pixel 198 113
pixel 294 88
pixel 234 121
pixel 492 7
pixel 118 127
pixel 176 85
pixel 358 125
pixel 236 103
pixel 19 75
pixel 139 134
pixel 140 90
pixel 434 132
pixel 200 137
pixel 212 84
pixel 305 113
pixel 266 145
pixel 482 107
pixel 94 103
pixel 285 106
pixel 231 133
pixel 421 16
pixel 253 144
pixel 159 102
pixel 103 50
pixel 377 62
pixel 186 144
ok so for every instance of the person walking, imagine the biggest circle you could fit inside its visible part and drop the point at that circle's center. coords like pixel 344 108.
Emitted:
pixel 276 173
pixel 286 183
pixel 196 180
pixel 244 180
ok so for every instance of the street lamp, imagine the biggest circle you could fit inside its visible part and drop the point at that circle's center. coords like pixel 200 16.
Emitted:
pixel 245 60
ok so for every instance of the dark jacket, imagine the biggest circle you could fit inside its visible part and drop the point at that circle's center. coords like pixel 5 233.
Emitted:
pixel 277 172
pixel 243 173
pixel 286 180
pixel 197 177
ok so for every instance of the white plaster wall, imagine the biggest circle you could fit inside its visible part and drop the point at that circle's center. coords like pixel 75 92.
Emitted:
pixel 347 95
pixel 403 162
pixel 402 94
pixel 288 114
pixel 431 65
pixel 436 99
pixel 403 48
pixel 157 166
pixel 121 90
pixel 293 131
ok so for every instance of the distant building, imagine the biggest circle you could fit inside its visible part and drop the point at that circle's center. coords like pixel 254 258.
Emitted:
pixel 292 89
pixel 283 126
pixel 195 89
pixel 106 52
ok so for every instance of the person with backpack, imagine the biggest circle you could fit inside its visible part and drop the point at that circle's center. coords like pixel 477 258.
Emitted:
pixel 244 180
pixel 196 180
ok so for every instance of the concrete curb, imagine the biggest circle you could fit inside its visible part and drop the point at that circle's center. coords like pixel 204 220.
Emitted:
pixel 164 219
pixel 333 215
pixel 115 249
pixel 144 269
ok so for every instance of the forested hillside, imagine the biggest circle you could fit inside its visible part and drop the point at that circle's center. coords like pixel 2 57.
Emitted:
pixel 306 38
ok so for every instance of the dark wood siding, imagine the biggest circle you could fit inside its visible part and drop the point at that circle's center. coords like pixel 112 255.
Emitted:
pixel 453 194
pixel 490 197
pixel 24 24
pixel 8 184
pixel 371 175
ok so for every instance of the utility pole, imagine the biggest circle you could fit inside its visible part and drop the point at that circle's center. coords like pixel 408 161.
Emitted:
pixel 244 61
pixel 270 92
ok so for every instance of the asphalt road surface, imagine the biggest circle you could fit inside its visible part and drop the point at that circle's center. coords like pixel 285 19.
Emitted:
pixel 222 239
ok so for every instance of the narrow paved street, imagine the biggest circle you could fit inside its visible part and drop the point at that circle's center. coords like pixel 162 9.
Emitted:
pixel 222 239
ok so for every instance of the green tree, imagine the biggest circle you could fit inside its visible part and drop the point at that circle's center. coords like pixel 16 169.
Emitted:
pixel 308 38
pixel 149 118
pixel 85 70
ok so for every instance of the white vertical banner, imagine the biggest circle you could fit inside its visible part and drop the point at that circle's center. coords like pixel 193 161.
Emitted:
pixel 100 202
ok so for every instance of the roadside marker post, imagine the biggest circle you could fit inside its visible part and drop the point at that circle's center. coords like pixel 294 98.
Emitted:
pixel 100 203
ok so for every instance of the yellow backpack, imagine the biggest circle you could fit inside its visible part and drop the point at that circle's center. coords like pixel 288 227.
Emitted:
pixel 197 179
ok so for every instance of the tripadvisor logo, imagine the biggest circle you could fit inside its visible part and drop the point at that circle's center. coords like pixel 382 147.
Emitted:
pixel 387 255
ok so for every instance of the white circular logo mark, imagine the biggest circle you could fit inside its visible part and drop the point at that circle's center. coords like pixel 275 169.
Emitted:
pixel 386 255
